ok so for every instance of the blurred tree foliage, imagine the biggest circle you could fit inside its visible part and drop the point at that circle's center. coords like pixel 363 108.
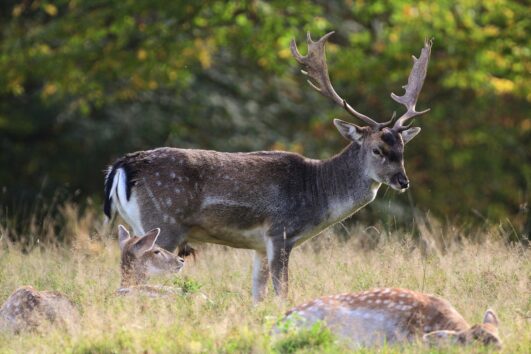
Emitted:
pixel 84 81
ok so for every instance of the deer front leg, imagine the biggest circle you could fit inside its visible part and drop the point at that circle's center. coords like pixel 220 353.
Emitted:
pixel 260 276
pixel 278 256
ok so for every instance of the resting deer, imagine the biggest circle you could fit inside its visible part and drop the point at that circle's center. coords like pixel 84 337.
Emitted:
pixel 380 316
pixel 268 201
pixel 140 258
pixel 28 309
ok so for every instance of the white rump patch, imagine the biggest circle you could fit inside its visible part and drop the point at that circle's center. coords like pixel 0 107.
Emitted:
pixel 128 209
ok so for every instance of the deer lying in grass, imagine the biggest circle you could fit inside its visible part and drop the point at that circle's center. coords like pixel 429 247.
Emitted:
pixel 379 316
pixel 29 309
pixel 270 201
pixel 141 258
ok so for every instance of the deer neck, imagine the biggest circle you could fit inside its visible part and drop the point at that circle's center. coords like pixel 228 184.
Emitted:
pixel 344 183
pixel 132 277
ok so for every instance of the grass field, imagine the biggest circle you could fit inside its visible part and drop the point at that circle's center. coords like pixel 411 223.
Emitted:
pixel 472 275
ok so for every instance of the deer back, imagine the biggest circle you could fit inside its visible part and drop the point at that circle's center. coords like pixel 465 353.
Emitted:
pixel 379 316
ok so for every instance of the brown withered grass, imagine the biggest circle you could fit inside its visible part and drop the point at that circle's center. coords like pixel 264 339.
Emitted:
pixel 474 275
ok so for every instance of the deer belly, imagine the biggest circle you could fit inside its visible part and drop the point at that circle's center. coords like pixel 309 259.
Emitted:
pixel 357 327
pixel 251 238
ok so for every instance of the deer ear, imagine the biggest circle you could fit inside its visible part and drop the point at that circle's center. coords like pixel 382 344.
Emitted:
pixel 350 131
pixel 490 317
pixel 123 236
pixel 409 134
pixel 147 241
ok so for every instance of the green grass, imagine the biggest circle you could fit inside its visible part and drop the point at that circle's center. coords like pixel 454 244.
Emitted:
pixel 473 276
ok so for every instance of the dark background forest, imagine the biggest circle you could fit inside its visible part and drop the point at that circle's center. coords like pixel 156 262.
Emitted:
pixel 85 81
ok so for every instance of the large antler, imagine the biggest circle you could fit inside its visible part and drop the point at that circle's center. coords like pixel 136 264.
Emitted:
pixel 316 69
pixel 413 87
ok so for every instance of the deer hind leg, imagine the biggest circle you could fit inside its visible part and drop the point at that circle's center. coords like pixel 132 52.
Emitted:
pixel 278 256
pixel 260 276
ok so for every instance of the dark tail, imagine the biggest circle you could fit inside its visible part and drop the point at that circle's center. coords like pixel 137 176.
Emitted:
pixel 107 204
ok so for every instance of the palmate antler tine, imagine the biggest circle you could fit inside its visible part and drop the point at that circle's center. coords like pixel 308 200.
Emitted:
pixel 317 71
pixel 413 87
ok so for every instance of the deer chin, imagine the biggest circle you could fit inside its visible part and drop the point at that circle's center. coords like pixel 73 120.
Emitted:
pixel 397 187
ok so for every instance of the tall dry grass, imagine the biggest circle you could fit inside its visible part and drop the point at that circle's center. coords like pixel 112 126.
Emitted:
pixel 487 272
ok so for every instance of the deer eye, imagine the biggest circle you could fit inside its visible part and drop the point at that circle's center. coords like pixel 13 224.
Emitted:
pixel 156 252
pixel 376 152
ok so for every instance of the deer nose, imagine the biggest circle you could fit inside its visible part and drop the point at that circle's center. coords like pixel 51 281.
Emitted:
pixel 402 180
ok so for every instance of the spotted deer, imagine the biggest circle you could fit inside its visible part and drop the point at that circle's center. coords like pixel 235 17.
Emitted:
pixel 141 258
pixel 28 309
pixel 388 316
pixel 267 201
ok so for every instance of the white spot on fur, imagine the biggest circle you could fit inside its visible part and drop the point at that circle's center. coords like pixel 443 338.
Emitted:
pixel 218 200
pixel 172 175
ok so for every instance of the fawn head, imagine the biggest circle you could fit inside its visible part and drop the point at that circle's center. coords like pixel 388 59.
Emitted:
pixel 485 333
pixel 141 257
pixel 381 144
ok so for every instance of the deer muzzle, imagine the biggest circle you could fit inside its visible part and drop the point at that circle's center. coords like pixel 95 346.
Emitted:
pixel 400 180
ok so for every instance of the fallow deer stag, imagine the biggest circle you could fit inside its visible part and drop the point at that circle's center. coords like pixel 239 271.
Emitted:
pixel 388 316
pixel 268 201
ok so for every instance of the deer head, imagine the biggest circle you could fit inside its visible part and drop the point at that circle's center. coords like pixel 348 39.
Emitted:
pixel 381 145
pixel 485 333
pixel 141 257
